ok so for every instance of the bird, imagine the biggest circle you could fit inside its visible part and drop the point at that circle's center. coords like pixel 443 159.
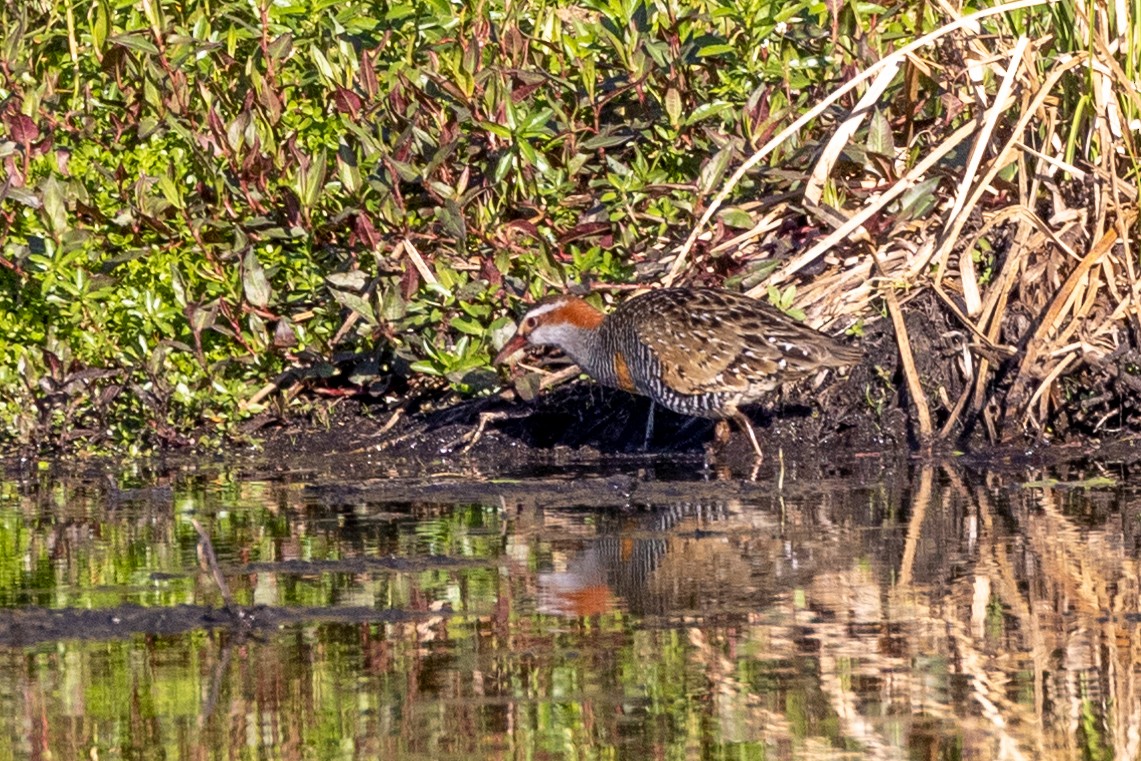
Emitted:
pixel 703 352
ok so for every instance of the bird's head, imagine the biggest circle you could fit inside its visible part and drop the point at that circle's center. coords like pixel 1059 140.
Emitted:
pixel 560 321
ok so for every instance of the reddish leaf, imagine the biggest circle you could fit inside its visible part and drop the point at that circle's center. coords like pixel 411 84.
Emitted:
pixel 584 230
pixel 363 227
pixel 271 102
pixel 283 335
pixel 367 77
pixel 22 129
pixel 410 282
pixel 14 173
pixel 347 102
pixel 523 225
pixel 490 272
pixel 292 207
pixel 952 107
pixel 523 92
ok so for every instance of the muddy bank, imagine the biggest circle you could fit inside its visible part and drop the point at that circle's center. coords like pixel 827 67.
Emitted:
pixel 26 626
pixel 866 412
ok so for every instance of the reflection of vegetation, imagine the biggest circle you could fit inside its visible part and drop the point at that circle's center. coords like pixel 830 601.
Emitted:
pixel 933 657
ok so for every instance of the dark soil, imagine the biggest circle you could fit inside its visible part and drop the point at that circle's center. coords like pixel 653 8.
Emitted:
pixel 26 626
pixel 863 413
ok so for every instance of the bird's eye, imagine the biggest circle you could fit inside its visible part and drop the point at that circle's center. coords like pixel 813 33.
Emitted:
pixel 529 323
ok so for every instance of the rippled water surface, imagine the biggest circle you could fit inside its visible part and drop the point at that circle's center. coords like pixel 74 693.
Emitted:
pixel 910 613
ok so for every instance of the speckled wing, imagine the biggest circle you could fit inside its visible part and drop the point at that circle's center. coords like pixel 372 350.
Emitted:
pixel 710 341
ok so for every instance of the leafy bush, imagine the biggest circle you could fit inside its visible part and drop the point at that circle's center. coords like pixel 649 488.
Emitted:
pixel 207 200
pixel 188 186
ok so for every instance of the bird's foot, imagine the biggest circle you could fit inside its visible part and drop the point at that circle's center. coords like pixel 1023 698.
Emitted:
pixel 743 421
pixel 470 438
pixel 649 428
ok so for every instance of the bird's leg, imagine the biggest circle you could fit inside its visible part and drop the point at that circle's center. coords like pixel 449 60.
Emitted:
pixel 720 439
pixel 743 421
pixel 721 433
pixel 649 427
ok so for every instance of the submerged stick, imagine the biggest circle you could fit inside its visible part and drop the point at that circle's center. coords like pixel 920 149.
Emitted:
pixel 209 563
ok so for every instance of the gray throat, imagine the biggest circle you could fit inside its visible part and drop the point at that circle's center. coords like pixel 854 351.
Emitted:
pixel 587 349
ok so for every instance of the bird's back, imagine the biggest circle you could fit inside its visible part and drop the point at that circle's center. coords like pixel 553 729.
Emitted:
pixel 699 350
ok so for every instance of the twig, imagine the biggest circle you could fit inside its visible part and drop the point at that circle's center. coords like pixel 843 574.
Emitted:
pixel 417 261
pixel 278 383
pixel 907 360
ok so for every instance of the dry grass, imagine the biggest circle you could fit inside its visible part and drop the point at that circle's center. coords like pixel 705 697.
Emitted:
pixel 1027 243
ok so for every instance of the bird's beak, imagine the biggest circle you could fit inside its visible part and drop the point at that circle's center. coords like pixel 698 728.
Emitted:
pixel 516 343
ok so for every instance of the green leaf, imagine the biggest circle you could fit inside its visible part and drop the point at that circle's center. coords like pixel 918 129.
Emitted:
pixel 281 47
pixel 170 191
pixel 714 170
pixel 716 49
pixel 452 219
pixel 707 110
pixel 879 135
pixel 736 217
pixel 100 24
pixel 353 280
pixel 501 331
pixel 467 325
pixel 673 105
pixel 255 285
pixel 604 140
pixel 400 11
pixel 528 386
pixel 502 167
pixel 322 63
pixel 313 180
pixel 496 129
pixel 55 206
pixel 134 42
pixel 178 285
pixel 917 201
pixel 357 304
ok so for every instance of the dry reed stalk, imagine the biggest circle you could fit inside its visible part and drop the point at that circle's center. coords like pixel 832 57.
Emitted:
pixel 855 282
pixel 417 260
pixel 1050 322
pixel 857 220
pixel 814 189
pixel 997 297
pixel 769 222
pixel 979 185
pixel 999 294
pixel 1070 295
pixel 910 374
pixel 957 216
pixel 891 61
pixel 274 385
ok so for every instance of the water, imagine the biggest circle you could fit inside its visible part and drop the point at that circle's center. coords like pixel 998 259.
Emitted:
pixel 922 613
